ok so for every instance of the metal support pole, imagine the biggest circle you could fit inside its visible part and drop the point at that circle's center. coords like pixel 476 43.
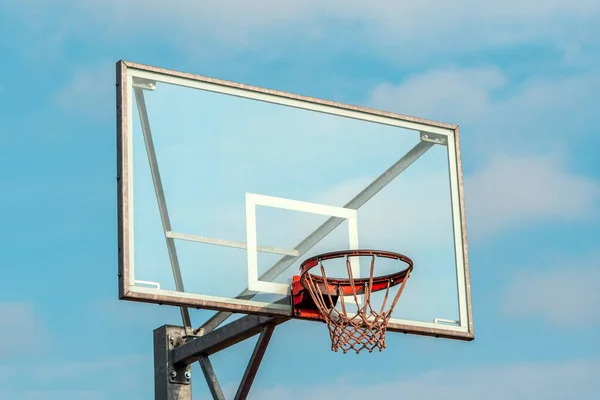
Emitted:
pixel 171 381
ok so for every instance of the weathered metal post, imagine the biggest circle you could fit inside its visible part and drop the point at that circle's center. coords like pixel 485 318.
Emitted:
pixel 171 381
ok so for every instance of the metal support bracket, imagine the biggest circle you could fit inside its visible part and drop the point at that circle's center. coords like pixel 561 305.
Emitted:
pixel 434 138
pixel 178 373
pixel 174 352
pixel 142 83
pixel 171 381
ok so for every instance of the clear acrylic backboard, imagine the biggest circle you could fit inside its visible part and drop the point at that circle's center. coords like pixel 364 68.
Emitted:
pixel 224 189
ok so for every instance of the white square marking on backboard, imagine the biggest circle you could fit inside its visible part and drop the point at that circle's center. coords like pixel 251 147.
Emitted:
pixel 253 200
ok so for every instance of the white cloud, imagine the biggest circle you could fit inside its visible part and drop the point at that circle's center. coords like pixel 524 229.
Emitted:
pixel 20 329
pixel 71 369
pixel 88 92
pixel 517 381
pixel 22 334
pixel 511 192
pixel 564 295
pixel 495 109
pixel 515 128
pixel 449 94
pixel 24 394
pixel 134 315
pixel 407 31
pixel 91 379
pixel 510 18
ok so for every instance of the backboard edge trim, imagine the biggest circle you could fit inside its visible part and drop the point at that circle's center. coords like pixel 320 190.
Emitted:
pixel 288 95
pixel 122 178
pixel 163 299
pixel 464 231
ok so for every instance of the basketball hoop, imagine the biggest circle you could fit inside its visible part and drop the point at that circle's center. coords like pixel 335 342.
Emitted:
pixel 367 327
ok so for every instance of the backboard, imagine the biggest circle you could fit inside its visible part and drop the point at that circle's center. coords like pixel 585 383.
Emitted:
pixel 224 189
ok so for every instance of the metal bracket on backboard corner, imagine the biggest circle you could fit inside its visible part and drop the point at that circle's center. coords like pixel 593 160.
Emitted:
pixel 444 321
pixel 153 285
pixel 434 138
pixel 142 83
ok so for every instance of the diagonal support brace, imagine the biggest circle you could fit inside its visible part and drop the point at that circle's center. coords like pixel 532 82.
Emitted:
pixel 222 338
pixel 254 363
pixel 211 378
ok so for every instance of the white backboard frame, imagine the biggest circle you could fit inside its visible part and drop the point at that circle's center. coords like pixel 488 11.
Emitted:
pixel 432 133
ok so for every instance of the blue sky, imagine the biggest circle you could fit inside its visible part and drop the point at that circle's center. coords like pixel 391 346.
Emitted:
pixel 521 78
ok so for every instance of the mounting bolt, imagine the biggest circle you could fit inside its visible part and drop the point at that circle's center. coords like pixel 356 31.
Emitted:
pixel 173 373
pixel 188 375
